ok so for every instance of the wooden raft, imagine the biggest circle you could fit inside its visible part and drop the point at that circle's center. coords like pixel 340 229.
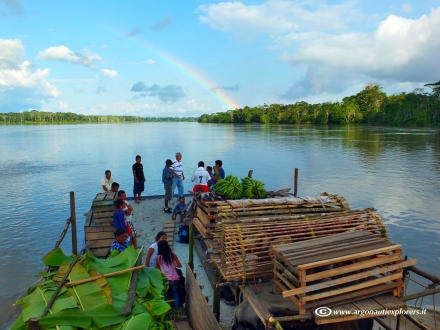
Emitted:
pixel 338 269
pixel 245 248
pixel 209 213
pixel 98 227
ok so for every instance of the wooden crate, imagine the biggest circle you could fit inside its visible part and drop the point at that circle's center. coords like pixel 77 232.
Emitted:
pixel 98 227
pixel 337 269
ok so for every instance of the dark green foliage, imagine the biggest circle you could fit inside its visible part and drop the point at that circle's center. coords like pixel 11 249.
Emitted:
pixel 42 117
pixel 370 106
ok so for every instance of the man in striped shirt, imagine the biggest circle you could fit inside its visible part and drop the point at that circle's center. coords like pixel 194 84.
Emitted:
pixel 178 180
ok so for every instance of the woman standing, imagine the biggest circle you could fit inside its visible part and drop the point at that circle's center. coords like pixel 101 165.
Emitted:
pixel 167 262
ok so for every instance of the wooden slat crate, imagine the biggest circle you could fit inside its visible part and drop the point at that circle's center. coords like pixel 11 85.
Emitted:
pixel 210 213
pixel 98 228
pixel 337 269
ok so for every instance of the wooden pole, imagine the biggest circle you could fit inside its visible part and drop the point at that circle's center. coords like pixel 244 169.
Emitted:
pixel 435 279
pixel 420 294
pixel 250 173
pixel 191 247
pixel 216 299
pixel 295 183
pixel 68 285
pixel 133 285
pixel 416 322
pixel 34 324
pixel 73 221
pixel 60 285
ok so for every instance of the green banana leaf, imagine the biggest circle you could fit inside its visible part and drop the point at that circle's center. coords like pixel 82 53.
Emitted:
pixel 89 295
pixel 143 283
pixel 139 321
pixel 157 306
pixel 57 257
pixel 157 287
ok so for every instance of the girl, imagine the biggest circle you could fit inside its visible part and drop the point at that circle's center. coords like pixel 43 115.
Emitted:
pixel 167 262
pixel 150 261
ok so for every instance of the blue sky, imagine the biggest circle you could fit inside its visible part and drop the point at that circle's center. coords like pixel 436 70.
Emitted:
pixel 186 58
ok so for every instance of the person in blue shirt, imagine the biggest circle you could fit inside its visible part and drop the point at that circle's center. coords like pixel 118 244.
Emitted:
pixel 118 215
pixel 179 209
pixel 219 172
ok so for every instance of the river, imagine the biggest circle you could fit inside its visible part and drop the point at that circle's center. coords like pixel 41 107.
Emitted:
pixel 395 170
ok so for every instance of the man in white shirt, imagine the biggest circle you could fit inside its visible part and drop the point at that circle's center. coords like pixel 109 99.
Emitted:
pixel 201 176
pixel 106 182
pixel 178 180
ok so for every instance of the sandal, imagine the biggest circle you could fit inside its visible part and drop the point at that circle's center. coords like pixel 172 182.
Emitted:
pixel 136 201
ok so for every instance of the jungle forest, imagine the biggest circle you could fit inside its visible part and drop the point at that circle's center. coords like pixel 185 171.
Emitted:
pixel 370 106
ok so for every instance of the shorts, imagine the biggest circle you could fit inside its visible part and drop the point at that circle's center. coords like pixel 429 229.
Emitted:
pixel 138 187
pixel 168 192
pixel 133 231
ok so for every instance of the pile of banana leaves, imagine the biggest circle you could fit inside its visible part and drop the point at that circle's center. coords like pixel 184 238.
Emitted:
pixel 98 304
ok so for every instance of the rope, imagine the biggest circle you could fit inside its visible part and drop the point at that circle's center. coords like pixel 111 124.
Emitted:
pixel 310 227
pixel 243 252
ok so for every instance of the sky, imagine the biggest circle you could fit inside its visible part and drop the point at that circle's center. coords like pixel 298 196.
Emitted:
pixel 186 58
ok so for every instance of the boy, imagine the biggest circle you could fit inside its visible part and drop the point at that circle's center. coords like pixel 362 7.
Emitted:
pixel 118 215
pixel 219 172
pixel 179 209
pixel 139 179
pixel 209 170
pixel 128 217
pixel 167 179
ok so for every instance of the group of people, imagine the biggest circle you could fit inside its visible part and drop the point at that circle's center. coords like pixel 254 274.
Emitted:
pixel 159 254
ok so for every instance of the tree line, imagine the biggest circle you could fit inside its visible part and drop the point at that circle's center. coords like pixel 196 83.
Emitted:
pixel 371 106
pixel 43 117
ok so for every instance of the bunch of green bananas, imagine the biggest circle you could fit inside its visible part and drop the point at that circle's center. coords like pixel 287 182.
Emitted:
pixel 229 186
pixel 253 188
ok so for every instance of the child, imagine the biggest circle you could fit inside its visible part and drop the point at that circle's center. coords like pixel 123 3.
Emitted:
pixel 209 170
pixel 150 261
pixel 179 209
pixel 128 218
pixel 167 178
pixel 118 215
pixel 167 262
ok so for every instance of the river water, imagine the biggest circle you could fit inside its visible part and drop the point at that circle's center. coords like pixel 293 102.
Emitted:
pixel 395 170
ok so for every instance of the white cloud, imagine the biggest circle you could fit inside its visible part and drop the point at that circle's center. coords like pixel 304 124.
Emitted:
pixel 62 105
pixel 20 86
pixel 62 53
pixel 278 17
pixel 109 73
pixel 11 53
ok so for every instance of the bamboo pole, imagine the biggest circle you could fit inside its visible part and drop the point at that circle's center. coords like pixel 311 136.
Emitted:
pixel 420 294
pixel 68 285
pixel 73 221
pixel 133 284
pixel 434 278
pixel 34 324
pixel 60 285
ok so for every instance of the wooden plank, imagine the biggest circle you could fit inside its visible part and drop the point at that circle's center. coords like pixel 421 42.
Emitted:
pixel 358 286
pixel 350 278
pixel 353 267
pixel 100 235
pixel 88 219
pixel 103 221
pixel 351 296
pixel 390 302
pixel 199 313
pixel 100 252
pixel 98 229
pixel 102 203
pixel 367 304
pixel 253 300
pixel 283 288
pixel 100 215
pixel 110 208
pixel 354 235
pixel 343 254
pixel 349 257
pixel 100 243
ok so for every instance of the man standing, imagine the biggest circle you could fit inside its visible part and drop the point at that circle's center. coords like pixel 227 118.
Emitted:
pixel 167 179
pixel 106 182
pixel 178 179
pixel 200 177
pixel 139 179
pixel 219 172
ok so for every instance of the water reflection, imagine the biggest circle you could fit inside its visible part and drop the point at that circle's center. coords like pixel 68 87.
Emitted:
pixel 394 170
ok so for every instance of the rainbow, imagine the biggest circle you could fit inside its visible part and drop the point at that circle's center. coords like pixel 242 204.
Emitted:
pixel 196 76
